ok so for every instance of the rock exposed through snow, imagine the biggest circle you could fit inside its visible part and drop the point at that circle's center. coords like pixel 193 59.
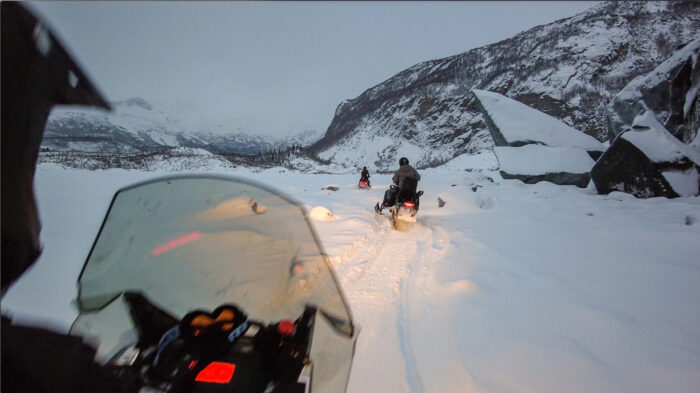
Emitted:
pixel 647 161
pixel 535 163
pixel 532 146
pixel 669 91
pixel 513 123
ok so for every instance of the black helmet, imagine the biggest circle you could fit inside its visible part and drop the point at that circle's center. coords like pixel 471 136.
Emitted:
pixel 403 161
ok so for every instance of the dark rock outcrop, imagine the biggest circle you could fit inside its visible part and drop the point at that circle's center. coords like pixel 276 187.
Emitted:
pixel 623 167
pixel 647 161
pixel 669 91
pixel 561 178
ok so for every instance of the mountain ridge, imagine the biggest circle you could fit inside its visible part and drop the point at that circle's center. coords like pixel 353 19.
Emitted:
pixel 137 126
pixel 568 69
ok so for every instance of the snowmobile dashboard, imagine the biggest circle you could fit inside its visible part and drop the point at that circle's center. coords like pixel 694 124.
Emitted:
pixel 217 351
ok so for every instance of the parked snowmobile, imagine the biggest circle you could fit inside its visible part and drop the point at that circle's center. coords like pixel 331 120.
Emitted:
pixel 202 284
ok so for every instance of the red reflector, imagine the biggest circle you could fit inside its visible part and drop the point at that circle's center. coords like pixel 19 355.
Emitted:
pixel 216 372
pixel 298 269
pixel 286 327
pixel 408 204
pixel 180 241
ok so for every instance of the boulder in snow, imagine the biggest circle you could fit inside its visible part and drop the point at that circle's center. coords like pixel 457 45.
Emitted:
pixel 331 187
pixel 533 146
pixel 535 163
pixel 647 161
pixel 513 123
pixel 669 91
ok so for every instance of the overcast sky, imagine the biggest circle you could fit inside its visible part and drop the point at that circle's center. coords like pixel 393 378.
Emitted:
pixel 284 65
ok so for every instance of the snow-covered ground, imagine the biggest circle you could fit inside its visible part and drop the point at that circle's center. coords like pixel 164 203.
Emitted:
pixel 507 288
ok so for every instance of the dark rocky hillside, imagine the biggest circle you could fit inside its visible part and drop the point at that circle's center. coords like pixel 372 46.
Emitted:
pixel 569 69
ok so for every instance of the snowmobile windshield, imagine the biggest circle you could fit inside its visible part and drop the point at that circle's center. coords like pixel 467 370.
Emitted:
pixel 202 241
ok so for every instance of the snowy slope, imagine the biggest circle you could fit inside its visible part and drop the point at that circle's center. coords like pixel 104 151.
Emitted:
pixel 568 69
pixel 508 288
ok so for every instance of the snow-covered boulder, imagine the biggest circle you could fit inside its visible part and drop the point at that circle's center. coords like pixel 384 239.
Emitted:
pixel 320 213
pixel 647 161
pixel 513 123
pixel 535 163
pixel 669 91
pixel 533 146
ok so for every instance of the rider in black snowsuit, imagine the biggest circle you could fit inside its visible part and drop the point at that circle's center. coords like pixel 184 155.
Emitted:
pixel 365 175
pixel 405 171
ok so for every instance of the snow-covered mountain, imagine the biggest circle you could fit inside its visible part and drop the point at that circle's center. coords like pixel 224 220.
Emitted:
pixel 133 126
pixel 569 69
pixel 303 138
pixel 137 126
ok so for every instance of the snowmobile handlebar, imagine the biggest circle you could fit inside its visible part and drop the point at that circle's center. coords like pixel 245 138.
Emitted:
pixel 201 351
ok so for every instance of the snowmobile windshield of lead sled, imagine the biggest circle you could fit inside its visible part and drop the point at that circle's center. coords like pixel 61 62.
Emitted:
pixel 179 258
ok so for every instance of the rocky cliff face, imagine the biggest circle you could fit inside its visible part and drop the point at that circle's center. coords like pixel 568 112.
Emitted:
pixel 653 123
pixel 569 69
pixel 669 92
pixel 646 160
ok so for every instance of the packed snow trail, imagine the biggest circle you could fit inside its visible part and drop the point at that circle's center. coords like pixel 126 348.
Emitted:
pixel 390 273
pixel 380 282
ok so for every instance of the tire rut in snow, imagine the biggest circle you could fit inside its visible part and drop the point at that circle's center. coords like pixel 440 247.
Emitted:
pixel 404 328
pixel 384 275
pixel 430 245
pixel 385 281
pixel 359 258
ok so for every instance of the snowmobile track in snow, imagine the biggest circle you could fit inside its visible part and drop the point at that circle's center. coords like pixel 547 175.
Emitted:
pixel 390 274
